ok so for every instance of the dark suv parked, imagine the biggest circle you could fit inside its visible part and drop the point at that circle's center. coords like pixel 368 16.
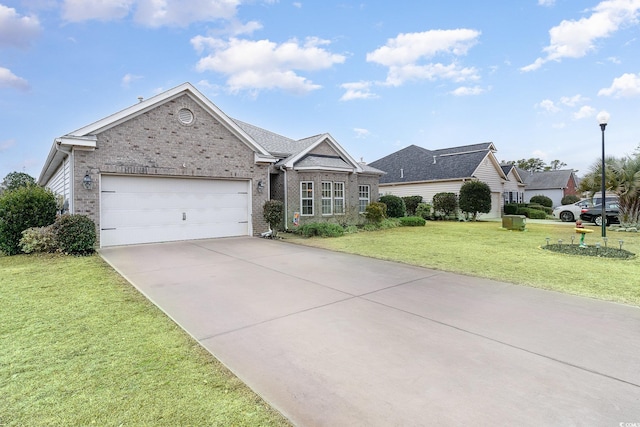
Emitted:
pixel 594 214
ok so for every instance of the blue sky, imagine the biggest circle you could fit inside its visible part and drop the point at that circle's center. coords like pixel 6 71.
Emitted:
pixel 528 75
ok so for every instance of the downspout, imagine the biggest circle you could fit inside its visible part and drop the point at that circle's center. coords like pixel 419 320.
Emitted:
pixel 286 204
pixel 69 155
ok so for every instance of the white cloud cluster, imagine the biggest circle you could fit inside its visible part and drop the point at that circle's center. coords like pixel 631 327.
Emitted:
pixel 150 13
pixel 10 80
pixel 357 90
pixel 468 91
pixel 625 86
pixel 575 39
pixel 256 65
pixel 15 30
pixel 585 111
pixel 406 54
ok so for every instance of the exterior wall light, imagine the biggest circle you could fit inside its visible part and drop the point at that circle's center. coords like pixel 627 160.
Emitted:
pixel 87 182
pixel 260 186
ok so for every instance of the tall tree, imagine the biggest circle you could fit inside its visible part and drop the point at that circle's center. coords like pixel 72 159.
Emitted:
pixel 15 180
pixel 531 165
pixel 555 165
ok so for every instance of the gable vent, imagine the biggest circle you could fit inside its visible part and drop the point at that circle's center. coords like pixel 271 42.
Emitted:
pixel 185 116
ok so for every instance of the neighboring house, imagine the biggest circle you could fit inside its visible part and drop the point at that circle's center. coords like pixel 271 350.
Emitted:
pixel 175 167
pixel 514 187
pixel 416 171
pixel 553 184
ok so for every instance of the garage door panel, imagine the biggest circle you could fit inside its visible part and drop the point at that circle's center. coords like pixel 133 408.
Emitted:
pixel 146 209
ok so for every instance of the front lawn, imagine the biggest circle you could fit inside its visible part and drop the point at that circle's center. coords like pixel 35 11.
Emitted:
pixel 485 249
pixel 80 346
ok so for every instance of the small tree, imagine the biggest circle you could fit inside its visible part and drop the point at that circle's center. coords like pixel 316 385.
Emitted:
pixel 15 180
pixel 412 202
pixel 475 198
pixel 25 207
pixel 569 199
pixel 446 203
pixel 273 213
pixel 376 212
pixel 395 206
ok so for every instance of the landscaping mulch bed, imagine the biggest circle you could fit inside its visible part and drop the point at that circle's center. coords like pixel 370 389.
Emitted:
pixel 592 250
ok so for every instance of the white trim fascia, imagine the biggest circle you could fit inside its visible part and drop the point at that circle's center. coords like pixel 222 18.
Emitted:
pixel 396 184
pixel 322 169
pixel 261 158
pixel 321 138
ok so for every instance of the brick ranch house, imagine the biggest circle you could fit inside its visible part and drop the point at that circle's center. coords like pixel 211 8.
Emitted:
pixel 175 167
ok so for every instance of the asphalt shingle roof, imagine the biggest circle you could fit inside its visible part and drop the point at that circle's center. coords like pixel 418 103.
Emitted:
pixel 548 179
pixel 415 163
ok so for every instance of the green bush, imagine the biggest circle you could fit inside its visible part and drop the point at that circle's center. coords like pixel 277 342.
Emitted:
pixel 350 229
pixel 38 239
pixel 542 200
pixel 511 208
pixel 445 203
pixel 395 206
pixel 411 203
pixel 22 208
pixel 412 221
pixel 570 199
pixel 475 198
pixel 273 213
pixel 531 213
pixel 75 234
pixel 375 212
pixel 321 229
pixel 424 210
pixel 539 207
pixel 389 223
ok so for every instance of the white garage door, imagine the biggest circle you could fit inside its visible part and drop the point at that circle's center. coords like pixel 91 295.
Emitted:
pixel 146 209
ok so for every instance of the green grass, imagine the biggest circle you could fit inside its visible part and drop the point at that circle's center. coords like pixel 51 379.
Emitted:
pixel 484 249
pixel 80 346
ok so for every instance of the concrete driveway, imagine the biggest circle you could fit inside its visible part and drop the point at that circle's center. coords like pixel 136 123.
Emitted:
pixel 331 339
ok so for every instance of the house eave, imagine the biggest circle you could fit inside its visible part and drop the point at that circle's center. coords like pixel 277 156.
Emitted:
pixel 395 184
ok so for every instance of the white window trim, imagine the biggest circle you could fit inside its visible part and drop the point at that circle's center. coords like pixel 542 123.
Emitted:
pixel 323 198
pixel 360 198
pixel 306 198
pixel 344 208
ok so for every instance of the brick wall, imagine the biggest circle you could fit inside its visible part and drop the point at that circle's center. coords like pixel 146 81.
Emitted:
pixel 157 143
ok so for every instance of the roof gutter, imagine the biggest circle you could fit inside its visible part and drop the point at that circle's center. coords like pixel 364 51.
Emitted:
pixel 63 147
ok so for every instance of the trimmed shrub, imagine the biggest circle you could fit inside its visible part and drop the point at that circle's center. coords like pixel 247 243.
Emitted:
pixel 531 213
pixel 395 206
pixel 570 199
pixel 412 221
pixel 22 208
pixel 273 213
pixel 445 203
pixel 75 234
pixel 424 210
pixel 38 239
pixel 511 209
pixel 411 203
pixel 475 198
pixel 389 223
pixel 375 212
pixel 542 200
pixel 321 229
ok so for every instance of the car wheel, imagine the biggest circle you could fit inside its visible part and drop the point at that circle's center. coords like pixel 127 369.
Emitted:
pixel 597 220
pixel 566 216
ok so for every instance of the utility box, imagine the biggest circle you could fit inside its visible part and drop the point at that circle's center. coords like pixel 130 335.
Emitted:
pixel 514 222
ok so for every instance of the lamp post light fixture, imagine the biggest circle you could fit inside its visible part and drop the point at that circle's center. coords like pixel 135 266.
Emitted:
pixel 603 119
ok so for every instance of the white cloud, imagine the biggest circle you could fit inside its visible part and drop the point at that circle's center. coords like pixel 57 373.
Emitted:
pixel 467 91
pixel 156 13
pixel 101 10
pixel 584 112
pixel 128 78
pixel 625 86
pixel 546 3
pixel 406 54
pixel 548 105
pixel 361 133
pixel 575 39
pixel 572 101
pixel 151 13
pixel 5 145
pixel 357 90
pixel 15 30
pixel 263 64
pixel 10 80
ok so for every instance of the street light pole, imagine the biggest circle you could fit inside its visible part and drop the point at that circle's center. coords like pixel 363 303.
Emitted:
pixel 603 119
